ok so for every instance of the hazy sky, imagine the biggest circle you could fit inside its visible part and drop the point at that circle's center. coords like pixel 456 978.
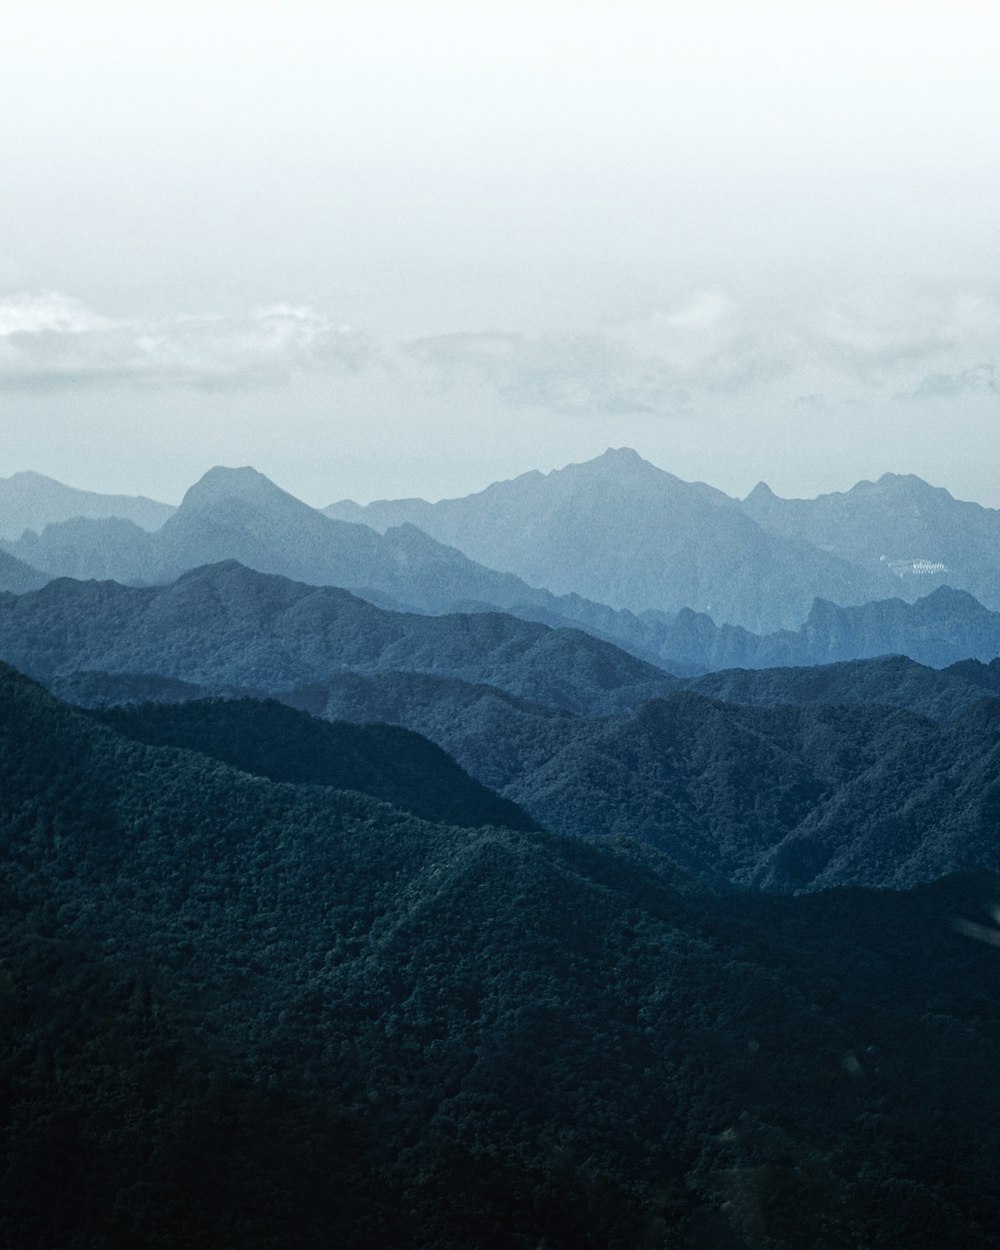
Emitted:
pixel 408 248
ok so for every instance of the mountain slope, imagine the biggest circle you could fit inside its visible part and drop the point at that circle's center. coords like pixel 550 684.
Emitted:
pixel 784 797
pixel 923 535
pixel 942 628
pixel 929 802
pixel 238 514
pixel 30 501
pixel 18 577
pixel 225 625
pixel 271 740
pixel 620 531
pixel 893 681
pixel 244 1013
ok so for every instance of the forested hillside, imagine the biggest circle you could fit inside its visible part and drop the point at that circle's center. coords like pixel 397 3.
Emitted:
pixel 787 797
pixel 240 1012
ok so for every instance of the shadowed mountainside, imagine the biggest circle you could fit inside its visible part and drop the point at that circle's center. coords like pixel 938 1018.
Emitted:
pixel 271 740
pixel 727 790
pixel 243 1012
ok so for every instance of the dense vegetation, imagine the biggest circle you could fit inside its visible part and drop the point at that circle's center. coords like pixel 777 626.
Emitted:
pixel 271 740
pixel 240 1012
pixel 892 680
pixel 789 797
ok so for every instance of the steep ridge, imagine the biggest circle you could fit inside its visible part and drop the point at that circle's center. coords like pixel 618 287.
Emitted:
pixel 31 501
pixel 619 531
pixel 929 804
pixel 943 628
pixel 241 1012
pixel 225 625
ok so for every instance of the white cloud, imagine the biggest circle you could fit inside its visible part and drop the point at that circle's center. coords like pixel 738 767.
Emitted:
pixel 51 340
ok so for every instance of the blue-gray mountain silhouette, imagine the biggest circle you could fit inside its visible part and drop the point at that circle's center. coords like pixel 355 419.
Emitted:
pixel 30 501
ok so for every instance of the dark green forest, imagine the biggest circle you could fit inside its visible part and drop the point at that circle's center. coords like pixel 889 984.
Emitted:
pixel 258 1013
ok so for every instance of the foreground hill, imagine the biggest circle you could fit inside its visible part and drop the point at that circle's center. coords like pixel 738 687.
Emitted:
pixel 30 501
pixel 620 531
pixel 245 1013
pixel 225 625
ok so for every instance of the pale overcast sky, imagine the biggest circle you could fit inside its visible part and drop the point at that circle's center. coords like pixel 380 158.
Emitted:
pixel 382 248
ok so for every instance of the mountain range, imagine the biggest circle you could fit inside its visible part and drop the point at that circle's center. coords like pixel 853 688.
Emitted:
pixel 920 532
pixel 615 546
pixel 620 531
pixel 240 1011
pixel 240 515
pixel 587 739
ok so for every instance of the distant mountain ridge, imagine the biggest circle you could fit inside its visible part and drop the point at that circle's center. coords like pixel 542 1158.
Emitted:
pixel 619 531
pixel 239 514
pixel 921 533
pixel 616 518
pixel 227 625
pixel 31 501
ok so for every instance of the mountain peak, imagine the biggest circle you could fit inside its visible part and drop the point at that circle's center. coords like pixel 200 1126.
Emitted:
pixel 760 494
pixel 622 455
pixel 222 482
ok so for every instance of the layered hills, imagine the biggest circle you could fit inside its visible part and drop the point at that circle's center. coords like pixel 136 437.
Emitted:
pixel 587 739
pixel 246 1012
pixel 238 514
pixel 17 577
pixel 697 563
pixel 31 501
pixel 619 531
pixel 226 625
pixel 783 797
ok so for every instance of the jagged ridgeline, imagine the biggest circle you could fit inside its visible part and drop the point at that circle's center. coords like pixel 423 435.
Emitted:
pixel 240 1011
